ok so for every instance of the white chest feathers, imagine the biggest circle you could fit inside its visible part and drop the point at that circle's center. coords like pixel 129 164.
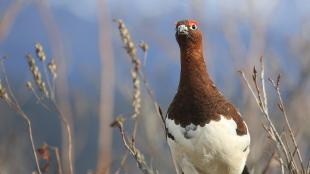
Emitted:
pixel 214 148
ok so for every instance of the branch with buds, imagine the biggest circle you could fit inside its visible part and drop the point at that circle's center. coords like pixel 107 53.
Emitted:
pixel 130 146
pixel 260 96
pixel 136 75
pixel 50 70
pixel 44 94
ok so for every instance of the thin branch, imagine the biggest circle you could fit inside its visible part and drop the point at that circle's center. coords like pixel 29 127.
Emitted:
pixel 39 100
pixel 2 67
pixel 15 106
pixel 275 135
pixel 254 77
pixel 67 126
pixel 134 152
pixel 144 46
pixel 283 110
pixel 58 161
pixel 248 85
pixel 281 144
pixel 262 78
pixel 282 165
pixel 291 165
pixel 12 102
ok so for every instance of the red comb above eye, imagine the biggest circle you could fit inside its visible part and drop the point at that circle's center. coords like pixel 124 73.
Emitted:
pixel 192 22
pixel 187 22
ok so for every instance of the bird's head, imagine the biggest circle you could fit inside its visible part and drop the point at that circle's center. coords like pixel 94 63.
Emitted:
pixel 187 33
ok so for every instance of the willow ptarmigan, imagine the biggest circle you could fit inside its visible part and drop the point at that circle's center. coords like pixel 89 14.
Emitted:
pixel 205 132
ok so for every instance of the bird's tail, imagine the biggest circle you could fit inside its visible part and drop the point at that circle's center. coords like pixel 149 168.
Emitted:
pixel 245 170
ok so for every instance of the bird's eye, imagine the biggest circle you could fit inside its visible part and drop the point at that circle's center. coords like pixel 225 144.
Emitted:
pixel 194 27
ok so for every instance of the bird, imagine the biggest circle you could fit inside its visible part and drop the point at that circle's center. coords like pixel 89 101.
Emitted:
pixel 205 132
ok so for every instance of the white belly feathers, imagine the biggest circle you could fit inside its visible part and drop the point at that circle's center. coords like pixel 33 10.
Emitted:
pixel 214 148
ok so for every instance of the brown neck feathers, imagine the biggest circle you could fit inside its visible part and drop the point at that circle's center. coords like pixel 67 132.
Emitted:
pixel 193 74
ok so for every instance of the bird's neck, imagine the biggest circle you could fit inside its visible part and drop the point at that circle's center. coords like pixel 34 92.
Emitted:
pixel 193 74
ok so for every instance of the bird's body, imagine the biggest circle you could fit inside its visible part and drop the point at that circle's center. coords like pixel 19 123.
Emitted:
pixel 205 132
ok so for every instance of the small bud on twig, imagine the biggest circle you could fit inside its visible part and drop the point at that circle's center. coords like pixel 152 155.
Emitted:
pixel 29 85
pixel 278 80
pixel 118 122
pixel 52 67
pixel 2 91
pixel 40 52
pixel 36 74
pixel 143 45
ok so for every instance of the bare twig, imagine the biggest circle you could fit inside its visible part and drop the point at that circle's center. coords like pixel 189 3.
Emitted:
pixel 282 165
pixel 254 77
pixel 262 102
pixel 10 91
pixel 67 126
pixel 262 75
pixel 144 46
pixel 58 161
pixel 274 135
pixel 39 99
pixel 248 85
pixel 276 86
pixel 291 164
pixel 12 102
pixel 134 152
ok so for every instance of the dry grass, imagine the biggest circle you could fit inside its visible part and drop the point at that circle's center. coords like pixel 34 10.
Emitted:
pixel 287 153
pixel 45 97
pixel 7 95
pixel 136 74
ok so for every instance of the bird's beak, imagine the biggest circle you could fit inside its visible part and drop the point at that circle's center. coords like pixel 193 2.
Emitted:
pixel 182 30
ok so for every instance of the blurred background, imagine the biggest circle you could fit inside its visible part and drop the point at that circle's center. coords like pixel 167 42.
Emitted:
pixel 94 82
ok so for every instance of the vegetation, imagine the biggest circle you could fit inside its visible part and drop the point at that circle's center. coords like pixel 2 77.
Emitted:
pixel 276 109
